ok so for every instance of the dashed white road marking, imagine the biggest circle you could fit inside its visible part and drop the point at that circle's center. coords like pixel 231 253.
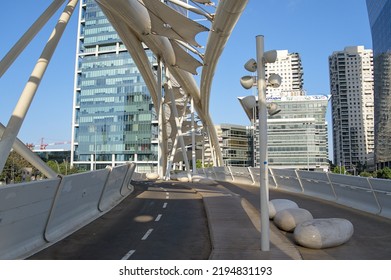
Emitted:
pixel 128 254
pixel 147 234
pixel 165 204
pixel 158 218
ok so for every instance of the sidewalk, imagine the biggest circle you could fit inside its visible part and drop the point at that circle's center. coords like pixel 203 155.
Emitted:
pixel 234 226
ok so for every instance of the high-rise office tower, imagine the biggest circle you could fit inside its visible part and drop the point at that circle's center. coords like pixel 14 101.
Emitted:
pixel 113 117
pixel 288 66
pixel 351 85
pixel 297 135
pixel 379 12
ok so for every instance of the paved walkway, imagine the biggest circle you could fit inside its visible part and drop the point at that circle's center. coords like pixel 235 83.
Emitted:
pixel 235 228
pixel 234 221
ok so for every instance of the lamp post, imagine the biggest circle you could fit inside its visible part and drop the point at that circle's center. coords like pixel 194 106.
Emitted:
pixel 263 109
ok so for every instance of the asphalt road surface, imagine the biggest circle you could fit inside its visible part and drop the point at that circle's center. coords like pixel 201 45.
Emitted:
pixel 165 221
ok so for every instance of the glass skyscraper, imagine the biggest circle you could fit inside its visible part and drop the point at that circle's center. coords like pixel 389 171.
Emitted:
pixel 379 12
pixel 297 136
pixel 113 116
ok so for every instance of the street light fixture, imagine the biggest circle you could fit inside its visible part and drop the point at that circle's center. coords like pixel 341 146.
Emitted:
pixel 247 82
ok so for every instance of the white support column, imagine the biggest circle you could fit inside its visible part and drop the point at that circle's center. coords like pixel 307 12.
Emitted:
pixel 211 148
pixel 27 96
pixel 175 144
pixel 171 159
pixel 193 144
pixel 160 121
pixel 264 184
pixel 92 162
pixel 178 124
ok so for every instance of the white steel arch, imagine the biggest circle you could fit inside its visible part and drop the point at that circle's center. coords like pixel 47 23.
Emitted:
pixel 171 36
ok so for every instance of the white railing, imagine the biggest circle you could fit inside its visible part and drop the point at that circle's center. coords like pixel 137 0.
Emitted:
pixel 366 194
pixel 37 214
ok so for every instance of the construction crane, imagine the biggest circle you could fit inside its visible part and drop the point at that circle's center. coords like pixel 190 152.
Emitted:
pixel 42 145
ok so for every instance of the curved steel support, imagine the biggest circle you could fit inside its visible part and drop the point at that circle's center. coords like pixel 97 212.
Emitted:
pixel 15 123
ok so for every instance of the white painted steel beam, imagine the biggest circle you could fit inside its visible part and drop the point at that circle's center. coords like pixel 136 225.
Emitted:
pixel 30 156
pixel 18 48
pixel 15 123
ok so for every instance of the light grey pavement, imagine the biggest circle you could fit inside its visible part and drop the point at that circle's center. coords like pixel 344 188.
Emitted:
pixel 234 222
pixel 234 226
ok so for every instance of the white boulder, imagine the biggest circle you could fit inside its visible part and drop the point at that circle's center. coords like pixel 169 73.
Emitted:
pixel 152 176
pixel 288 219
pixel 276 205
pixel 323 233
pixel 183 179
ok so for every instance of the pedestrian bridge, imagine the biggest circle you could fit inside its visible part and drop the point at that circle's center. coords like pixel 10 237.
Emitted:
pixel 37 215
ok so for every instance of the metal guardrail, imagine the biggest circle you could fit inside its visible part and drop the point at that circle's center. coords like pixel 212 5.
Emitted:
pixel 362 193
pixel 36 214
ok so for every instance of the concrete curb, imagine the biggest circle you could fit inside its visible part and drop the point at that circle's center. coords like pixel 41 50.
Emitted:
pixel 234 226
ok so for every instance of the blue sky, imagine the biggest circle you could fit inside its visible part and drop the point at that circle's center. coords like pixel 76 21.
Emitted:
pixel 314 29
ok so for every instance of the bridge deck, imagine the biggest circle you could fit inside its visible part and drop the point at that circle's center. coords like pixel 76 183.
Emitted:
pixel 226 212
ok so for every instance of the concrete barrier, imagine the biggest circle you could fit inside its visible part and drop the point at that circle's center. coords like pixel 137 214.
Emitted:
pixel 287 179
pixel 24 211
pixel 35 214
pixel 255 174
pixel 382 192
pixel 317 184
pixel 111 193
pixel 222 174
pixel 127 188
pixel 76 203
pixel 139 176
pixel 241 175
pixel 209 173
pixel 355 192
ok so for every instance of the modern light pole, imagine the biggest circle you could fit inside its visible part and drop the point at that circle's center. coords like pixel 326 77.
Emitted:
pixel 248 82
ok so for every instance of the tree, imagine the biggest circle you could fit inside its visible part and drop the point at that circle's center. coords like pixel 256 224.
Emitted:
pixel 384 173
pixel 12 172
pixel 366 174
pixel 199 164
pixel 63 168
pixel 339 170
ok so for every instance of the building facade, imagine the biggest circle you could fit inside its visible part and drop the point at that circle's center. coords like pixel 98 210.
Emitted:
pixel 113 117
pixel 379 13
pixel 352 94
pixel 236 144
pixel 289 67
pixel 297 135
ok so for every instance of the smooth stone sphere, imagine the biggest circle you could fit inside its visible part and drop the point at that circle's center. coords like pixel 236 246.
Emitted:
pixel 276 205
pixel 152 176
pixel 288 219
pixel 323 233
pixel 183 179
